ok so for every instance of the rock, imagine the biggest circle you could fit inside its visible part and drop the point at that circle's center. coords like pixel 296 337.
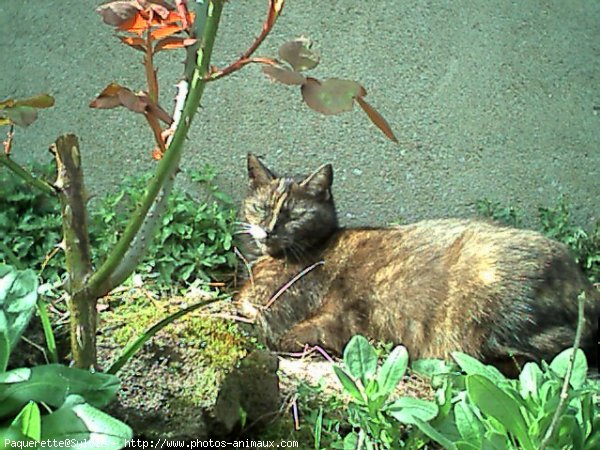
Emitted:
pixel 249 395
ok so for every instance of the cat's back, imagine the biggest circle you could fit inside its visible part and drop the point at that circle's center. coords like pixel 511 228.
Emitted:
pixel 451 243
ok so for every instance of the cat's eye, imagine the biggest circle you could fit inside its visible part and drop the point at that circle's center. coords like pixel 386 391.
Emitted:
pixel 257 208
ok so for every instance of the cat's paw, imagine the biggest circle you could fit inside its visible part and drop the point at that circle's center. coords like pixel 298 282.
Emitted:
pixel 298 337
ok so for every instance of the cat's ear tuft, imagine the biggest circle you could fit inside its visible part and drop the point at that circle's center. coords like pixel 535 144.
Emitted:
pixel 258 173
pixel 319 182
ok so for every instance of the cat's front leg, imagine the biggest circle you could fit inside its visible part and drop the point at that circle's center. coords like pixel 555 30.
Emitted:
pixel 323 330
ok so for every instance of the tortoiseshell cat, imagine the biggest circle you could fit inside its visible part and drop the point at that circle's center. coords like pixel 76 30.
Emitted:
pixel 434 286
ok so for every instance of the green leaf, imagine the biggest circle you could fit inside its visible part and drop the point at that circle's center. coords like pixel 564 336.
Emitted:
pixel 406 409
pixel 569 433
pixel 496 441
pixel 467 423
pixel 351 441
pixel 560 364
pixel 462 445
pixel 349 384
pixel 431 367
pixel 494 402
pixel 392 370
pixel 4 345
pixel 471 366
pixel 28 421
pixel 360 359
pixel 88 426
pixel 434 434
pixel 530 380
pixel 51 384
pixel 18 295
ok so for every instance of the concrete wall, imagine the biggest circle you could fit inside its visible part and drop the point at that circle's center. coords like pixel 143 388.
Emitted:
pixel 491 99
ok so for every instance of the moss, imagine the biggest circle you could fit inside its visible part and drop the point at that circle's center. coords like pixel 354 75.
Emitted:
pixel 198 349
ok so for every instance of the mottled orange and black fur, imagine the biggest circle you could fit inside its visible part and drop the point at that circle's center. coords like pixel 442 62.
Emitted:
pixel 435 286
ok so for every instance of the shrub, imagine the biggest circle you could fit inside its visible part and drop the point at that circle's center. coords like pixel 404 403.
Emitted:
pixel 193 242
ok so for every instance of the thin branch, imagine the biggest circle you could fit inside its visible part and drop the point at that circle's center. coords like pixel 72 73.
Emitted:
pixel 18 170
pixel 100 283
pixel 562 404
pixel 275 7
pixel 239 64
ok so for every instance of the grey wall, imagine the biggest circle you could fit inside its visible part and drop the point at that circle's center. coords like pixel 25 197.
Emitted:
pixel 492 99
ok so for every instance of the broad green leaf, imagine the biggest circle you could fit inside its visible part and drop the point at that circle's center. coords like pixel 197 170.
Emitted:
pixel 360 359
pixel 472 366
pixel 392 370
pixel 18 295
pixel 407 409
pixel 593 441
pixel 51 384
pixel 332 96
pixel 530 379
pixel 496 441
pixel 11 437
pixel 28 421
pixel 88 426
pixel 560 364
pixel 468 423
pixel 431 367
pixel 349 384
pixel 434 434
pixel 569 433
pixel 494 402
pixel 351 441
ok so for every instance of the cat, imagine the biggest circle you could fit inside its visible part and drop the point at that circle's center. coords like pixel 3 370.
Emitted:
pixel 437 286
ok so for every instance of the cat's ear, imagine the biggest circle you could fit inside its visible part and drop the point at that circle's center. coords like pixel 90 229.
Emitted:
pixel 319 182
pixel 258 173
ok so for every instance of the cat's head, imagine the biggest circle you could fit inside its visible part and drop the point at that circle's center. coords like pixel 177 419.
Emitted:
pixel 288 217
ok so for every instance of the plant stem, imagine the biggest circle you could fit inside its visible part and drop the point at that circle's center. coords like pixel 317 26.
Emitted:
pixel 18 170
pixel 101 282
pixel 562 404
pixel 71 193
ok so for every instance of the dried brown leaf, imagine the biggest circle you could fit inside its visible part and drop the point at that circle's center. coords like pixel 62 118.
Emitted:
pixel 135 42
pixel 284 75
pixel 158 112
pixel 377 119
pixel 299 54
pixel 116 95
pixel 332 96
pixel 173 43
pixel 165 31
pixel 38 101
pixel 117 13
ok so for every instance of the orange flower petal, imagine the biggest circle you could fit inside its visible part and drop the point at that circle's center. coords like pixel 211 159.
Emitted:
pixel 164 31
